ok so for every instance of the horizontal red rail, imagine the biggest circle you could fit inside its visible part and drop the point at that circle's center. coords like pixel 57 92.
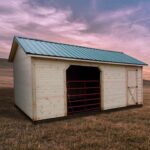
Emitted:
pixel 71 81
pixel 84 100
pixel 76 111
pixel 83 105
pixel 76 95
pixel 80 88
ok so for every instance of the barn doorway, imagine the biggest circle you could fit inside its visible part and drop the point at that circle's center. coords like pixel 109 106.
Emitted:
pixel 83 89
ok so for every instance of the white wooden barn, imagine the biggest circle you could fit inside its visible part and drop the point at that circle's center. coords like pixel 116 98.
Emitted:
pixel 55 80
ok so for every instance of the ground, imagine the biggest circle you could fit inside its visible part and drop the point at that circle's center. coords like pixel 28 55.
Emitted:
pixel 127 129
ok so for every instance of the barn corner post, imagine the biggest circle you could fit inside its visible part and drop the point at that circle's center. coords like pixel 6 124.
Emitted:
pixel 101 84
pixel 34 111
pixel 126 83
pixel 65 89
pixel 142 86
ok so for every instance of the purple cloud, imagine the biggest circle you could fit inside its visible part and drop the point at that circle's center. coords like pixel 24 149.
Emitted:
pixel 123 29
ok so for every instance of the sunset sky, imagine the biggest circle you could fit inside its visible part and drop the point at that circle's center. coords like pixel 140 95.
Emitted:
pixel 120 25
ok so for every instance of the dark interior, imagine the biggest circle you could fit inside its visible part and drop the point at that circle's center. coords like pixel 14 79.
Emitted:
pixel 83 89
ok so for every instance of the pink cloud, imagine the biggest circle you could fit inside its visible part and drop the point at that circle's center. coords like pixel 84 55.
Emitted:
pixel 55 25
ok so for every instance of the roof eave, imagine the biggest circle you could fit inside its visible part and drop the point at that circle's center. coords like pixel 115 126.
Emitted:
pixel 83 60
pixel 13 50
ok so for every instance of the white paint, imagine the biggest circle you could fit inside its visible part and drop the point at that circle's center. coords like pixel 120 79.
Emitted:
pixel 23 82
pixel 50 83
pixel 114 86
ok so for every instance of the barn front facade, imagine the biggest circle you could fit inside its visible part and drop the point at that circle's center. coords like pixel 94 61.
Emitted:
pixel 55 80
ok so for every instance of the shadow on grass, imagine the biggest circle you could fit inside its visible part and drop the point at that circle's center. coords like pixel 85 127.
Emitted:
pixel 7 109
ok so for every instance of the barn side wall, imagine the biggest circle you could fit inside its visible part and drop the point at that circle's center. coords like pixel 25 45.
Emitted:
pixel 23 82
pixel 50 86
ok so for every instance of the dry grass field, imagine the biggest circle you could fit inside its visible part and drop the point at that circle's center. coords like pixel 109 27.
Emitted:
pixel 127 129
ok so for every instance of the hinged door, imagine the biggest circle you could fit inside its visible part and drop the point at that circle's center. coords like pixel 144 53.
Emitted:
pixel 132 87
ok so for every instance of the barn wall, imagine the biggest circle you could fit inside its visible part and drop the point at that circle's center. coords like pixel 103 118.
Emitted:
pixel 50 86
pixel 23 82
pixel 115 92
pixel 114 86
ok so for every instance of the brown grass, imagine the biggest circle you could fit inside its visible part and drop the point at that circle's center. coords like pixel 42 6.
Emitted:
pixel 118 130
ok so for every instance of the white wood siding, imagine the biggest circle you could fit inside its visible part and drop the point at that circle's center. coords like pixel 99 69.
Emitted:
pixel 50 86
pixel 23 82
pixel 114 86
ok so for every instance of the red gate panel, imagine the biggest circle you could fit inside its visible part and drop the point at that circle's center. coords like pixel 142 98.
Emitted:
pixel 83 95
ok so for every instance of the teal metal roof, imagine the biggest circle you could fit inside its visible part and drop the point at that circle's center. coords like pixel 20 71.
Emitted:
pixel 45 48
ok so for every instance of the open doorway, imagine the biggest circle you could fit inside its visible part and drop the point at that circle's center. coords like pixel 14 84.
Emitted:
pixel 83 89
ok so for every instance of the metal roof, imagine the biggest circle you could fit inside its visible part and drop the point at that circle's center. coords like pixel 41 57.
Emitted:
pixel 45 48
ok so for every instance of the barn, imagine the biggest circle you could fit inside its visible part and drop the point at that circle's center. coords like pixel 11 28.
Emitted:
pixel 55 80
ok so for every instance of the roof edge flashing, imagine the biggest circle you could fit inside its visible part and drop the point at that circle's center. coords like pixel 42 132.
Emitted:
pixel 83 60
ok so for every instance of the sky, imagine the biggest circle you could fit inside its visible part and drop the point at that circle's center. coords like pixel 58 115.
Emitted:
pixel 119 25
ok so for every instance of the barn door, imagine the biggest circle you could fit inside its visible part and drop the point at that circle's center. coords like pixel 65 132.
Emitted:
pixel 132 87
